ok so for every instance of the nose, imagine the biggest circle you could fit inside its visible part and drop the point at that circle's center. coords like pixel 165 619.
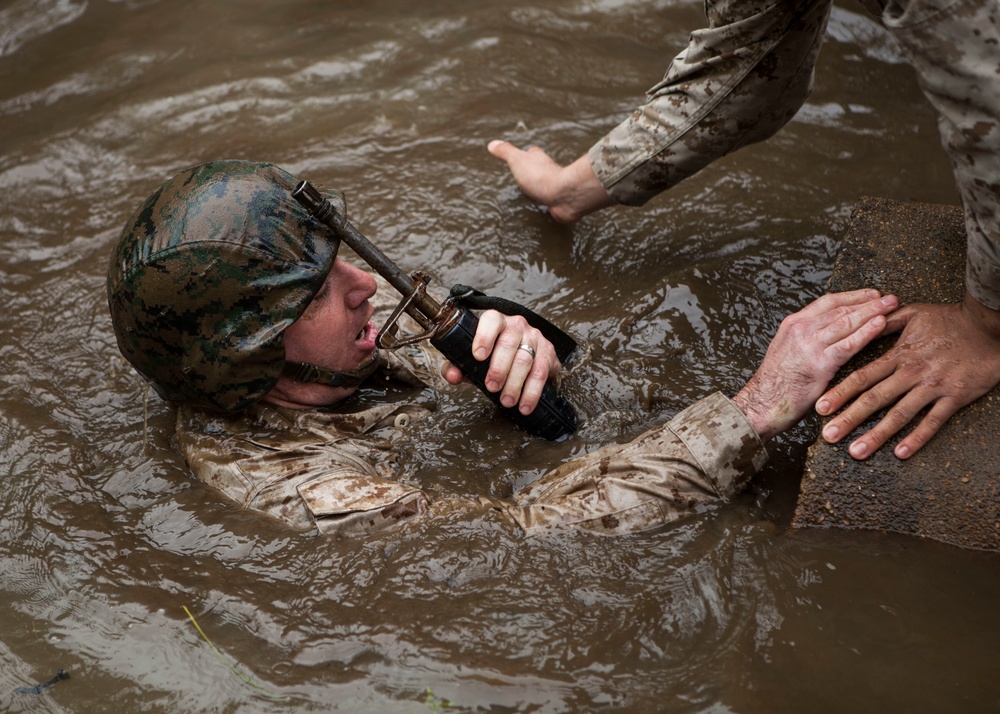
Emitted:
pixel 359 285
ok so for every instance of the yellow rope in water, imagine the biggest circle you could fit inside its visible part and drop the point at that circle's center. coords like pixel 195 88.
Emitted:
pixel 231 668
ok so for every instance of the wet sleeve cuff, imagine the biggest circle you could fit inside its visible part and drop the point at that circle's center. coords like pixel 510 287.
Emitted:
pixel 721 441
pixel 614 157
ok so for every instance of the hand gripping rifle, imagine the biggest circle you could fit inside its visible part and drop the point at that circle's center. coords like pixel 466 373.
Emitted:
pixel 449 326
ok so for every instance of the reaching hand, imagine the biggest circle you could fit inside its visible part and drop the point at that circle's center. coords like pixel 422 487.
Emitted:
pixel 514 371
pixel 811 345
pixel 946 357
pixel 569 192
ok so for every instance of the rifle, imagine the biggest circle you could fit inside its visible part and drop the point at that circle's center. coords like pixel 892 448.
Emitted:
pixel 449 326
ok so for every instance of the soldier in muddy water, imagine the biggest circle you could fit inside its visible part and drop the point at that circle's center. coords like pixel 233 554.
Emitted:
pixel 224 292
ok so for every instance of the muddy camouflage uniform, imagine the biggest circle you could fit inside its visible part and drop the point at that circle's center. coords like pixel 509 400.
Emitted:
pixel 338 470
pixel 746 75
pixel 206 276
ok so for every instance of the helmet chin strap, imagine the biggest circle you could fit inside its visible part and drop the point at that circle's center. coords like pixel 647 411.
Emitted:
pixel 311 374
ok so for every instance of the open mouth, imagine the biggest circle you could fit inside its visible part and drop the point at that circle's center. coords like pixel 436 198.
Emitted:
pixel 366 336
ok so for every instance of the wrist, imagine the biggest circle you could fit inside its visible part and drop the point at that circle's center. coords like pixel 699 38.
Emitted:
pixel 748 401
pixel 987 318
pixel 767 413
pixel 580 192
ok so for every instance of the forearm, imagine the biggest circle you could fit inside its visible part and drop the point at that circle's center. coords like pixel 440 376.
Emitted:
pixel 705 454
pixel 737 82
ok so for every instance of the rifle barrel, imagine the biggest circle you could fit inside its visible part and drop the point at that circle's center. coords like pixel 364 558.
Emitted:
pixel 306 194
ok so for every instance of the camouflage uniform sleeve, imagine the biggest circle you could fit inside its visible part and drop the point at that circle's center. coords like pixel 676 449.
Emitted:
pixel 704 455
pixel 737 82
pixel 955 47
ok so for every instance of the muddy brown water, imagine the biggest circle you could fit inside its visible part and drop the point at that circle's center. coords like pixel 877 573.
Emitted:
pixel 106 539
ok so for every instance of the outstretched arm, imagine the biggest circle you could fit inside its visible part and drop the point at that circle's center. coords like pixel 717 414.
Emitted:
pixel 946 357
pixel 706 453
pixel 521 359
pixel 737 82
pixel 805 354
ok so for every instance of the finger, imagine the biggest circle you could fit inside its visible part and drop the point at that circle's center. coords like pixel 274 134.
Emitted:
pixel 503 150
pixel 531 392
pixel 927 428
pixel 879 396
pixel 544 365
pixel 830 301
pixel 900 319
pixel 841 351
pixel 520 367
pixel 491 325
pixel 451 373
pixel 856 383
pixel 504 351
pixel 849 319
pixel 901 414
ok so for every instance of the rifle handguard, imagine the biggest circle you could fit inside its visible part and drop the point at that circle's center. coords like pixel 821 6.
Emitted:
pixel 553 418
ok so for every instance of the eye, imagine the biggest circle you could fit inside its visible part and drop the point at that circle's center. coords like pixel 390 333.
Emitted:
pixel 324 291
pixel 321 295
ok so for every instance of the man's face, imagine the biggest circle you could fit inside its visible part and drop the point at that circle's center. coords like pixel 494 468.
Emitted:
pixel 335 331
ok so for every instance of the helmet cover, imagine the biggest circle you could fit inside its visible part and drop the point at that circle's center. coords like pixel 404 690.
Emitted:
pixel 207 275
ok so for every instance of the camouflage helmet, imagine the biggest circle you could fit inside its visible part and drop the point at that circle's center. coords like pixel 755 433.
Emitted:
pixel 208 274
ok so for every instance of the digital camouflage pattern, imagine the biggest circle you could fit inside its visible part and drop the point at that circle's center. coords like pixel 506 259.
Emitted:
pixel 332 470
pixel 737 82
pixel 207 275
pixel 746 75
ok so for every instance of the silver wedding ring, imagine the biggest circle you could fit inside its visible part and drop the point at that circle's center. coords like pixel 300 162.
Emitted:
pixel 529 349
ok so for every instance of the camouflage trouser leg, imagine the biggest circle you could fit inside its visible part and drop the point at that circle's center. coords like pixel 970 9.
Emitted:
pixel 737 82
pixel 955 47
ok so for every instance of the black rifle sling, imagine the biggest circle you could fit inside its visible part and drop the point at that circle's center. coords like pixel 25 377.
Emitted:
pixel 464 296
